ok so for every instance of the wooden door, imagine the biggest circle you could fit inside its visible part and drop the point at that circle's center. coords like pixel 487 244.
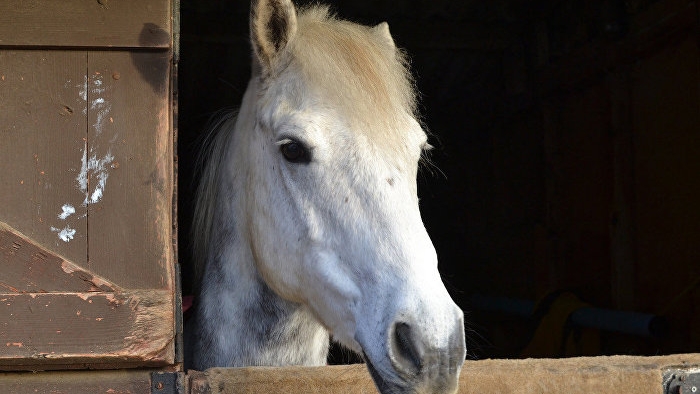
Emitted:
pixel 86 184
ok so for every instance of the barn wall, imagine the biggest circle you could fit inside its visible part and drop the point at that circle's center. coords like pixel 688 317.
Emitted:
pixel 87 259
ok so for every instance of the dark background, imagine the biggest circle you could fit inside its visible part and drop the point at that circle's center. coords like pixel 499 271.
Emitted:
pixel 566 137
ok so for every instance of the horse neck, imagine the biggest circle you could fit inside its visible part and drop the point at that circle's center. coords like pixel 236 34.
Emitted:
pixel 241 320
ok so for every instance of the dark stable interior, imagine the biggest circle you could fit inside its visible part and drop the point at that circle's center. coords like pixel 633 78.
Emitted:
pixel 564 204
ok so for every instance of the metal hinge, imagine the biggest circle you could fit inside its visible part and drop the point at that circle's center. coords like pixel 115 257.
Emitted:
pixel 167 383
pixel 682 381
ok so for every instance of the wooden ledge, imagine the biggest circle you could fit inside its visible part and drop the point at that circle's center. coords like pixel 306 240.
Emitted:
pixel 619 374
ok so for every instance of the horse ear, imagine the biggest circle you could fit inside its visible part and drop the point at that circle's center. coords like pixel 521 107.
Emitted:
pixel 382 31
pixel 273 23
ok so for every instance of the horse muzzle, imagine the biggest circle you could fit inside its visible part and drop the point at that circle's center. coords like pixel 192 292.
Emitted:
pixel 414 363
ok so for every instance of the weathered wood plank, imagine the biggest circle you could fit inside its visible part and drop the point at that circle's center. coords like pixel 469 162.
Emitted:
pixel 67 139
pixel 86 23
pixel 336 379
pixel 78 330
pixel 130 218
pixel 43 125
pixel 64 128
pixel 74 126
pixel 29 268
pixel 584 375
pixel 72 382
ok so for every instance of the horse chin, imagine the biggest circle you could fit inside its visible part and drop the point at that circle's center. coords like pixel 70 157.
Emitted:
pixel 386 384
pixel 391 383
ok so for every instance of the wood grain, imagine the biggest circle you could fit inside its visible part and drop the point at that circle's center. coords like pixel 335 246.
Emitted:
pixel 130 228
pixel 43 125
pixel 86 187
pixel 583 375
pixel 29 268
pixel 103 117
pixel 118 382
pixel 45 330
pixel 86 23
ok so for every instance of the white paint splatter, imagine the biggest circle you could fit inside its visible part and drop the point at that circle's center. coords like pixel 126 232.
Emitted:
pixel 83 88
pixel 67 211
pixel 101 116
pixel 98 104
pixel 93 170
pixel 97 155
pixel 66 234
pixel 83 175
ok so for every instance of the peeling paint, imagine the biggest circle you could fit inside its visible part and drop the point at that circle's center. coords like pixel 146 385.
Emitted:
pixel 85 297
pixel 97 282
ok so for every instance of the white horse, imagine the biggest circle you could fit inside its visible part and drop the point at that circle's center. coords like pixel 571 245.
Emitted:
pixel 307 220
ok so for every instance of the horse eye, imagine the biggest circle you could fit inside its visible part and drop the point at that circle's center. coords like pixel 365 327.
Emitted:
pixel 295 152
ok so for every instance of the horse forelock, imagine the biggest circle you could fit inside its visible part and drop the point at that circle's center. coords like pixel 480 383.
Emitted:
pixel 358 72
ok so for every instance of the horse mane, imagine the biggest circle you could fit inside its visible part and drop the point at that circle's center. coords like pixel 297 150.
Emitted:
pixel 210 163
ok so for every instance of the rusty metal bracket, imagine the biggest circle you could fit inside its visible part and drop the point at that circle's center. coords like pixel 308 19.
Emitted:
pixel 682 381
pixel 167 383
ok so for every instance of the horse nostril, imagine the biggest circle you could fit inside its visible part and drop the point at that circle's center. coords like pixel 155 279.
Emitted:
pixel 407 351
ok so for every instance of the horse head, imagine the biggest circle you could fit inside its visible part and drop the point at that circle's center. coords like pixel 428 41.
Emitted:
pixel 331 202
